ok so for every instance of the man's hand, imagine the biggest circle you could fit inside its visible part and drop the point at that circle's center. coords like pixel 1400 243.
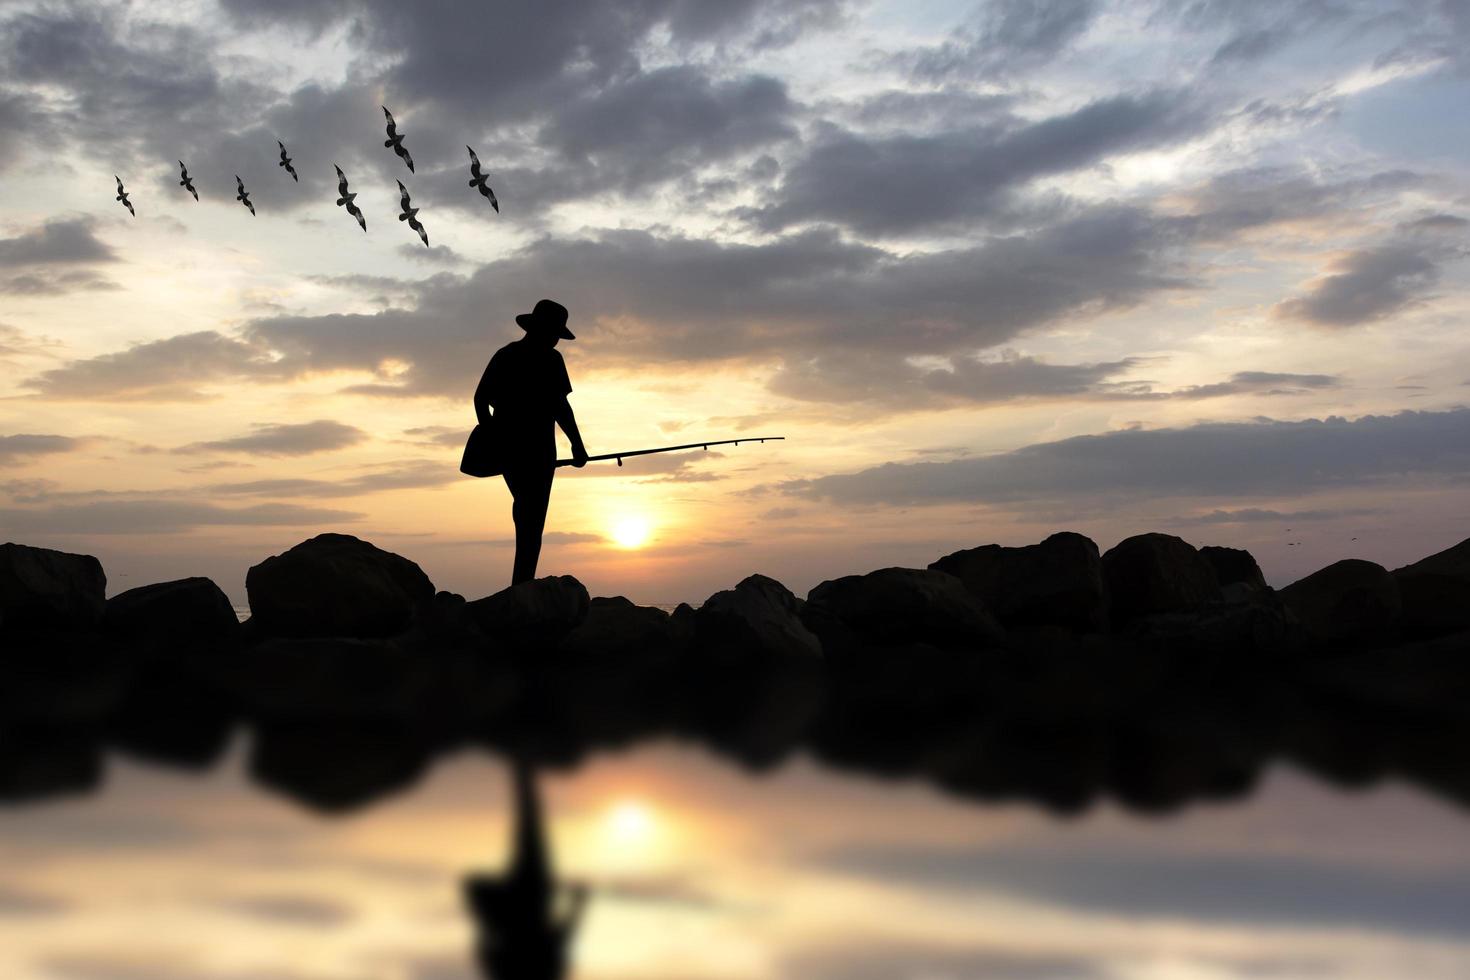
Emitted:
pixel 579 455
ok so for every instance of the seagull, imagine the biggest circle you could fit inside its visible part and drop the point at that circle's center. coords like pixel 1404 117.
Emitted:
pixel 396 141
pixel 409 215
pixel 243 196
pixel 345 199
pixel 286 162
pixel 122 196
pixel 480 178
pixel 185 181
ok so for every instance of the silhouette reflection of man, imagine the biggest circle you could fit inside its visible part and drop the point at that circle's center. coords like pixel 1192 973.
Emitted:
pixel 525 920
pixel 526 383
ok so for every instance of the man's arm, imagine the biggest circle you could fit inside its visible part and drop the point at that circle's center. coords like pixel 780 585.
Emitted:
pixel 568 422
pixel 482 398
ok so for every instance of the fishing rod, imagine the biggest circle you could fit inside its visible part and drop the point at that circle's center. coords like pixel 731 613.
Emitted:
pixel 669 449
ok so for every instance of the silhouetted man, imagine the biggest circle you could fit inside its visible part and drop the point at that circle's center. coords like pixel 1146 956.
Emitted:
pixel 526 383
pixel 525 921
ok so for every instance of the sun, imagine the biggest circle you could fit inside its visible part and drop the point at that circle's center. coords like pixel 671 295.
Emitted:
pixel 630 821
pixel 631 532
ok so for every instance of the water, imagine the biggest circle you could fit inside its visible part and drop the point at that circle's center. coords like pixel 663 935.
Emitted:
pixel 702 871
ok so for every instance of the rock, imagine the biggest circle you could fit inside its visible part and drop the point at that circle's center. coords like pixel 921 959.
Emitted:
pixel 752 681
pixel 335 585
pixel 190 610
pixel 532 614
pixel 1157 573
pixel 41 588
pixel 758 616
pixel 1058 582
pixel 616 630
pixel 1234 566
pixel 901 606
pixel 1435 593
pixel 1349 600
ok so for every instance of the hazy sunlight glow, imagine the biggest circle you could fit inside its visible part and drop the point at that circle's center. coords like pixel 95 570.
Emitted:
pixel 631 532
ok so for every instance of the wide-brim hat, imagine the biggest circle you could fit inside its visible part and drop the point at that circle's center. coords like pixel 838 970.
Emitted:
pixel 547 315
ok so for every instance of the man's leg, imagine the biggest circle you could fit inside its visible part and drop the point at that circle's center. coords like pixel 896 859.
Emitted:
pixel 531 489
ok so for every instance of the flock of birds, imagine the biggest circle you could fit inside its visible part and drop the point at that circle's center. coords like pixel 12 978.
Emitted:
pixel 345 197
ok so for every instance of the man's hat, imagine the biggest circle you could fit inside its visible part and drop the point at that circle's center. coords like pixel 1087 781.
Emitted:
pixel 547 315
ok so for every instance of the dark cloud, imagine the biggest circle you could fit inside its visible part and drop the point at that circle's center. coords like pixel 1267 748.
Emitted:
pixel 285 439
pixel 1003 38
pixel 161 517
pixel 1276 890
pixel 893 184
pixel 1438 222
pixel 172 369
pixel 1257 197
pixel 47 283
pixel 435 254
pixel 14 449
pixel 1366 286
pixel 57 242
pixel 1217 459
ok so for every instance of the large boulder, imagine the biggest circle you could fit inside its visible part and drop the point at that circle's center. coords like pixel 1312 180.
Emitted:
pixel 335 585
pixel 759 615
pixel 1058 582
pixel 900 606
pixel 188 611
pixel 752 680
pixel 41 588
pixel 1435 592
pixel 1350 600
pixel 1157 573
pixel 1234 567
pixel 535 613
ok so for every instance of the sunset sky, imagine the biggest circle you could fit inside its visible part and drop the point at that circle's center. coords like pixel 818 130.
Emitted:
pixel 992 269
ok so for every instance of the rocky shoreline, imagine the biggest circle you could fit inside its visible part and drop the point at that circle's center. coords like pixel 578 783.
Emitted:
pixel 1154 674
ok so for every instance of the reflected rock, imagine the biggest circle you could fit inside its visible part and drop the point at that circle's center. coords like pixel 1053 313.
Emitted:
pixel 337 765
pixel 45 589
pixel 1058 582
pixel 1435 593
pixel 39 762
pixel 1350 601
pixel 1157 573
pixel 335 585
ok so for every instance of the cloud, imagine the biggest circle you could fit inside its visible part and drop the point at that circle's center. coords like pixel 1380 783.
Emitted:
pixel 161 517
pixel 172 369
pixel 1215 459
pixel 436 254
pixel 15 903
pixel 895 184
pixel 297 910
pixel 1003 38
pixel 1367 285
pixel 57 242
pixel 879 959
pixel 1276 890
pixel 285 439
pixel 56 283
pixel 21 446
pixel 1256 515
pixel 410 475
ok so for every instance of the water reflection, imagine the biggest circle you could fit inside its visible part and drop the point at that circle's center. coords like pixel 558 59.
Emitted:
pixel 525 918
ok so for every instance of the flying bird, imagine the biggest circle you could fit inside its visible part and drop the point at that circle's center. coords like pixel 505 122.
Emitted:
pixel 345 199
pixel 286 162
pixel 395 140
pixel 479 179
pixel 409 215
pixel 185 181
pixel 243 196
pixel 122 196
